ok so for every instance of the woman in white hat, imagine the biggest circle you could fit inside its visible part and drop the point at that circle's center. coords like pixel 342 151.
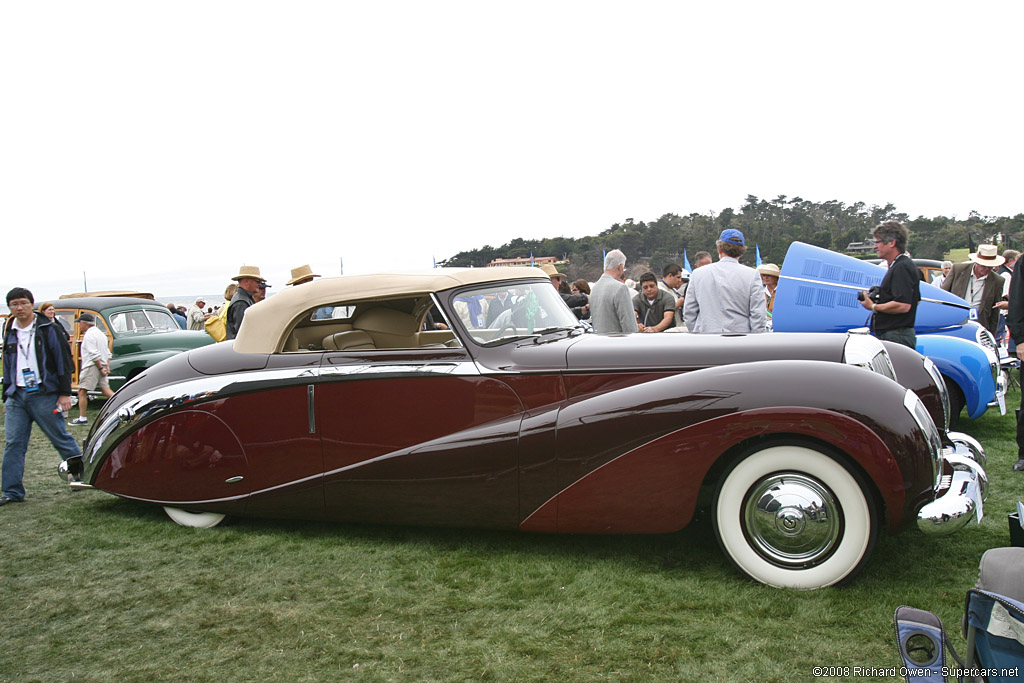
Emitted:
pixel 770 279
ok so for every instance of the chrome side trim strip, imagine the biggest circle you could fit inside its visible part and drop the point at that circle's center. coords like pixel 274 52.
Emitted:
pixel 445 367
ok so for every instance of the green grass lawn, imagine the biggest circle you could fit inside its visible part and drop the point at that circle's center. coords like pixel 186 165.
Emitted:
pixel 95 588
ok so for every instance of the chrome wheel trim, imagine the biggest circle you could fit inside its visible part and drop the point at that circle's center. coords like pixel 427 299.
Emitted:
pixel 856 534
pixel 792 520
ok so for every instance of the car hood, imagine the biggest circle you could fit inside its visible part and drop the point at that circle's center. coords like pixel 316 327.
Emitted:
pixel 181 340
pixel 632 352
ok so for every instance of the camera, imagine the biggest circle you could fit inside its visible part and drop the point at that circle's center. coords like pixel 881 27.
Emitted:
pixel 874 293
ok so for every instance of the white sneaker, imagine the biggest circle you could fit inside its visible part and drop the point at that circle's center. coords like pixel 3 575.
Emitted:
pixel 79 421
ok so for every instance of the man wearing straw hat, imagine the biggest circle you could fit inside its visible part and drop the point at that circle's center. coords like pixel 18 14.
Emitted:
pixel 974 281
pixel 301 276
pixel 248 280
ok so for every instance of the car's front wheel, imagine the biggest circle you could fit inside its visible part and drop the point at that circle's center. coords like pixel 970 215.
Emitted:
pixel 198 520
pixel 793 516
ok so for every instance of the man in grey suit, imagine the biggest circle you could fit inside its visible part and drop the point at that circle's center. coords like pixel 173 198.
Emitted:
pixel 726 296
pixel 611 306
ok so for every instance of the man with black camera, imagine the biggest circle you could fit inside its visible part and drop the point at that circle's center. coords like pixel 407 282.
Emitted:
pixel 894 306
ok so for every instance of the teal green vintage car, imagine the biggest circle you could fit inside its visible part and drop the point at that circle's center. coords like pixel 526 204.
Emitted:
pixel 141 332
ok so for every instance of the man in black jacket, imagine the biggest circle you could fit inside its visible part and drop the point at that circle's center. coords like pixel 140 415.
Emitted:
pixel 249 281
pixel 1015 322
pixel 36 388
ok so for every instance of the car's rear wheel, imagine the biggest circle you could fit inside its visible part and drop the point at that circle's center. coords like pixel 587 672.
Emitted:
pixel 793 516
pixel 198 520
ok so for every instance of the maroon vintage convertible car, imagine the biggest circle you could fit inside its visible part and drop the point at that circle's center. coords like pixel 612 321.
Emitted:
pixel 336 403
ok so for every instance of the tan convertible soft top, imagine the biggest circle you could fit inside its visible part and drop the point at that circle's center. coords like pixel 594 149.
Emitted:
pixel 267 322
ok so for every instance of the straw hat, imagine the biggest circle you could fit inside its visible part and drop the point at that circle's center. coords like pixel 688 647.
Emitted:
pixel 248 271
pixel 987 255
pixel 551 270
pixel 301 273
pixel 769 269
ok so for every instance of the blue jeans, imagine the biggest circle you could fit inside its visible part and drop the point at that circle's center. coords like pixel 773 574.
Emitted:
pixel 21 410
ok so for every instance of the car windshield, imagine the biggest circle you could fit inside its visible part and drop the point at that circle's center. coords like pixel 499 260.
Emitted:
pixel 500 312
pixel 142 321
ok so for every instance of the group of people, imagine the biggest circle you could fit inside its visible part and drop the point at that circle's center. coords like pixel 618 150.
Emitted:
pixel 249 288
pixel 718 297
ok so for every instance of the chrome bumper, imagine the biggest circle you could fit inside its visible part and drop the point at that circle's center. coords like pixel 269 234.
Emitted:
pixel 965 444
pixel 69 471
pixel 1000 397
pixel 968 489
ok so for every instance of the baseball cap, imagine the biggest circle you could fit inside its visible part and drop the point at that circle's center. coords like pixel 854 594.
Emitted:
pixel 731 235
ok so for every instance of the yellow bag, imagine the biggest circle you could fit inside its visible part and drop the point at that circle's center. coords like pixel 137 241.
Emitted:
pixel 216 325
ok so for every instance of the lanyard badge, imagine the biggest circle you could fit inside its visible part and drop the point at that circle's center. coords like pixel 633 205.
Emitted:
pixel 28 374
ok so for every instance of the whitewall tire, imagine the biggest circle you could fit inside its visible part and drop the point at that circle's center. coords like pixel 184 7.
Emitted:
pixel 793 517
pixel 197 520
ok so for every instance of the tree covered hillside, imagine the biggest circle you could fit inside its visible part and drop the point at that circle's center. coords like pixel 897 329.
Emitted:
pixel 771 224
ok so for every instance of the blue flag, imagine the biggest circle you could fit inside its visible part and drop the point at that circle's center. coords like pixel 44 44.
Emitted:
pixel 757 255
pixel 531 258
pixel 686 262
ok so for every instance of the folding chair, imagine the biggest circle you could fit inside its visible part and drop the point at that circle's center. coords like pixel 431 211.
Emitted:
pixel 993 626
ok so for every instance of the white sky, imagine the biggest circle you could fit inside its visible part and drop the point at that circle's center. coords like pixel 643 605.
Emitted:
pixel 160 145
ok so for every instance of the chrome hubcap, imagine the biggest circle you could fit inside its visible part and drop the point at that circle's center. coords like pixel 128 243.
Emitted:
pixel 792 520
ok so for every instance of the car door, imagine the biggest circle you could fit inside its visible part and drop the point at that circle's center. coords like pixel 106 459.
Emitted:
pixel 417 436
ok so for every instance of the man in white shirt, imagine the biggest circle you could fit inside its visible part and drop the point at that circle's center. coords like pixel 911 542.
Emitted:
pixel 92 375
pixel 196 316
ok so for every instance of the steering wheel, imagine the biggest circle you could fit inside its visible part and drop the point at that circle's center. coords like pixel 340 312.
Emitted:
pixel 507 326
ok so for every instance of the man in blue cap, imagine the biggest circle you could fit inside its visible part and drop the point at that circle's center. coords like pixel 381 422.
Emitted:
pixel 727 296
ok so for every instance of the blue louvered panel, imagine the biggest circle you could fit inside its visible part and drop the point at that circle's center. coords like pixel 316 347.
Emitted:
pixel 805 296
pixel 826 298
pixel 853 277
pixel 831 272
pixel 848 299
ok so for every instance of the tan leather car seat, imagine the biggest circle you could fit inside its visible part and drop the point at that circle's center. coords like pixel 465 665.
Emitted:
pixel 353 340
pixel 390 329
